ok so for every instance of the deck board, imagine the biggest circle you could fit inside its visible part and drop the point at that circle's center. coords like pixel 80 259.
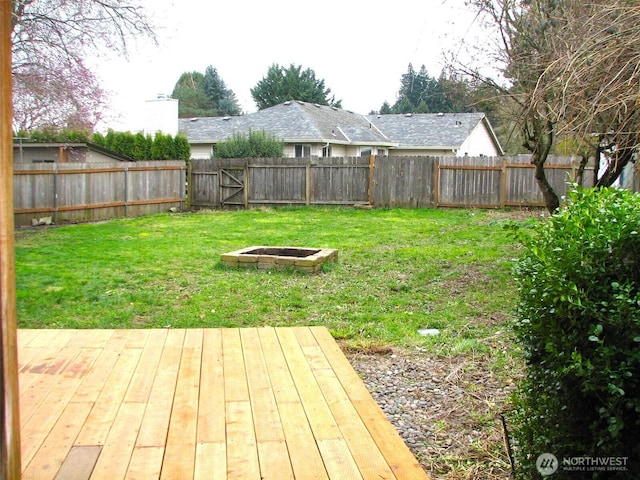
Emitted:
pixel 203 404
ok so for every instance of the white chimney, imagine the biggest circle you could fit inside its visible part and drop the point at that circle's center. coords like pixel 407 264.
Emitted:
pixel 161 115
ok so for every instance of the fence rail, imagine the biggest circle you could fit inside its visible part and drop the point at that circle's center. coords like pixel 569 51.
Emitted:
pixel 96 191
pixel 488 182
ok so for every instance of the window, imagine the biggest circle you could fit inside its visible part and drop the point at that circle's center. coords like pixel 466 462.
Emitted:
pixel 327 151
pixel 302 151
pixel 382 151
pixel 365 151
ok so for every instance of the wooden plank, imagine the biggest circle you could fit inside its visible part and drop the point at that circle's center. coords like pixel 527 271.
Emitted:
pixel 338 460
pixel 265 411
pixel 242 454
pixel 92 384
pixel 283 386
pixel 155 423
pixel 180 451
pixel 58 442
pixel 306 460
pixel 145 464
pixel 371 463
pixel 142 381
pixel 322 423
pixel 211 461
pixel 329 438
pixel 25 335
pixel 119 444
pixel 106 406
pixel 44 412
pixel 274 460
pixel 235 385
pixel 211 412
pixel 272 450
pixel 41 376
pixel 79 463
pixel 402 462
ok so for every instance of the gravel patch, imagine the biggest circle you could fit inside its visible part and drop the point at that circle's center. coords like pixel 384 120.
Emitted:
pixel 447 410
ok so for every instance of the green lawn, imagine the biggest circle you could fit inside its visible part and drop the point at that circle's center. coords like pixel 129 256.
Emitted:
pixel 399 270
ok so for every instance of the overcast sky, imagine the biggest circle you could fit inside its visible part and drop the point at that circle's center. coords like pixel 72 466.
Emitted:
pixel 359 48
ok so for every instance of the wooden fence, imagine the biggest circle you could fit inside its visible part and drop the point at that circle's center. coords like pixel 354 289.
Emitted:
pixel 96 191
pixel 485 182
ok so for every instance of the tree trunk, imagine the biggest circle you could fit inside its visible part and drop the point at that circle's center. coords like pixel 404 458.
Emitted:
pixel 584 161
pixel 551 199
pixel 539 134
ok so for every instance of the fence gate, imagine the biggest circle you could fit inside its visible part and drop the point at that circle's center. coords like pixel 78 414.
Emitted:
pixel 232 187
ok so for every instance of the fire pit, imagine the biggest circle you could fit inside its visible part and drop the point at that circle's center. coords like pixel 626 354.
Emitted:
pixel 308 260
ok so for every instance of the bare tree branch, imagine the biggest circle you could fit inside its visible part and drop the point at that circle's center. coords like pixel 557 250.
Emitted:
pixel 51 40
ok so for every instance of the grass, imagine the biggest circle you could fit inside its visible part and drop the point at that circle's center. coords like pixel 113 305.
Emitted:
pixel 398 271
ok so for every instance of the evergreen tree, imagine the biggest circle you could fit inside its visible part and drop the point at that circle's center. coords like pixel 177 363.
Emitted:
pixel 182 148
pixel 291 83
pixel 386 108
pixel 193 101
pixel 142 146
pixel 163 147
pixel 222 99
pixel 229 105
pixel 98 139
pixel 204 95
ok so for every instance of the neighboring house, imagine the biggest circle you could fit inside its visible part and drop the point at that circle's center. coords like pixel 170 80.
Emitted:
pixel 306 129
pixel 439 134
pixel 309 130
pixel 27 152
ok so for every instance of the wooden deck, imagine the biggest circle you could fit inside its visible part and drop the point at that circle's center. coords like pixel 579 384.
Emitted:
pixel 267 403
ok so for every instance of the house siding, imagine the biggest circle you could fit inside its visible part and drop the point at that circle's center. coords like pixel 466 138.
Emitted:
pixel 201 151
pixel 478 144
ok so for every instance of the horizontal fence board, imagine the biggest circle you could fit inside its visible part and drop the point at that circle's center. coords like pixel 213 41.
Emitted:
pixel 90 191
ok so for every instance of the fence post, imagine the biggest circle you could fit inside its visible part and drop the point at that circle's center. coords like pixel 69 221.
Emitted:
pixel 183 186
pixel 372 166
pixel 503 184
pixel 55 192
pixel 436 182
pixel 246 185
pixel 126 191
pixel 9 395
pixel 308 182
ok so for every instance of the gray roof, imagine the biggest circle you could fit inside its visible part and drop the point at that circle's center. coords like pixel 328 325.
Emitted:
pixel 429 129
pixel 292 121
pixel 297 122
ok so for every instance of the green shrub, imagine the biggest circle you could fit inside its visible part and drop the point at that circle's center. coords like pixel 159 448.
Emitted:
pixel 257 144
pixel 182 148
pixel 163 147
pixel 141 146
pixel 578 323
pixel 135 146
